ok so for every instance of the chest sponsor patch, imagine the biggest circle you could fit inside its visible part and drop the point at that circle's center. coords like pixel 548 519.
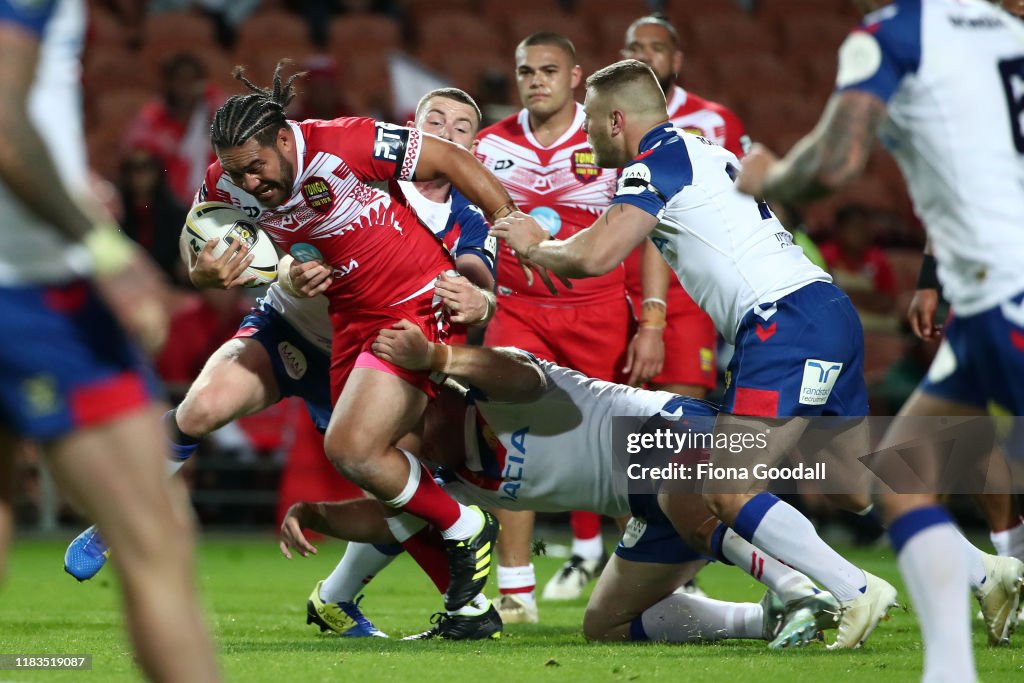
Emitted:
pixel 583 166
pixel 318 194
pixel 819 378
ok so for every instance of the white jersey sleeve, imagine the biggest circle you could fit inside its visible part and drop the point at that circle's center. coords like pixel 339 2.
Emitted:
pixel 951 73
pixel 728 250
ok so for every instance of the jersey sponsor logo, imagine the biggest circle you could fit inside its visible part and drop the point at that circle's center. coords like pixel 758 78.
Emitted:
pixel 344 269
pixel 512 476
pixel 293 359
pixel 203 192
pixel 304 253
pixel 390 142
pixel 860 56
pixel 635 179
pixel 548 219
pixel 583 166
pixel 318 194
pixel 503 164
pixel 819 378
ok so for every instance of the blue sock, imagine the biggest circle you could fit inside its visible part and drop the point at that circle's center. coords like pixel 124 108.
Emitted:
pixel 715 543
pixel 751 514
pixel 909 524
pixel 636 629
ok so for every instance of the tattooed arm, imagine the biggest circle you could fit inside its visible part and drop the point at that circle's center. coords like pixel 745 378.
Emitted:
pixel 825 160
pixel 590 252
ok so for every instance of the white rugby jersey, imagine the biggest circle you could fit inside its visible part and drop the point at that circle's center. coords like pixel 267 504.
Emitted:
pixel 34 251
pixel 728 250
pixel 308 315
pixel 952 75
pixel 557 453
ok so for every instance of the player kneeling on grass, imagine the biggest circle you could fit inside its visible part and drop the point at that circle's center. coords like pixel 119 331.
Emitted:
pixel 560 423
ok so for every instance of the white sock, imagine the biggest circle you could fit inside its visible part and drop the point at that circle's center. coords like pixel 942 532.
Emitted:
pixel 786 582
pixel 468 525
pixel 1009 542
pixel 588 548
pixel 972 558
pixel 404 526
pixel 934 569
pixel 474 607
pixel 360 563
pixel 784 533
pixel 516 580
pixel 683 618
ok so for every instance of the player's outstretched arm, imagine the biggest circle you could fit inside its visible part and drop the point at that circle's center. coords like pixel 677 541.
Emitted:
pixel 825 160
pixel 361 520
pixel 590 252
pixel 503 375
pixel 443 159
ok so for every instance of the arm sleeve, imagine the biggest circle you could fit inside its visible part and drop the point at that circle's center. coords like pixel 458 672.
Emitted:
pixel 876 56
pixel 373 150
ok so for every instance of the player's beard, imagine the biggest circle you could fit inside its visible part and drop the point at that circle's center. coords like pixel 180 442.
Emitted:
pixel 605 153
pixel 282 187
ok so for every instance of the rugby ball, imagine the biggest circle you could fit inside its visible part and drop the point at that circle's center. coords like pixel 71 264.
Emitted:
pixel 226 224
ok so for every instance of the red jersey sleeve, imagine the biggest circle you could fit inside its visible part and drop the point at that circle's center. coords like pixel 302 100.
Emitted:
pixel 373 150
pixel 209 190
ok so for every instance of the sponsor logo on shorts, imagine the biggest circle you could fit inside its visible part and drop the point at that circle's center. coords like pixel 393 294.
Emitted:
pixel 819 378
pixel 635 529
pixel 318 194
pixel 40 394
pixel 293 359
pixel 584 167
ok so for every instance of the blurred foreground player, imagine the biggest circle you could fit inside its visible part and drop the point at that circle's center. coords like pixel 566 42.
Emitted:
pixel 902 78
pixel 72 285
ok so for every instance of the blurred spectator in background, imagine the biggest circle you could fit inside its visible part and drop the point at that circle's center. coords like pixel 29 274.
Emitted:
pixel 227 14
pixel 151 214
pixel 861 269
pixel 176 126
pixel 322 95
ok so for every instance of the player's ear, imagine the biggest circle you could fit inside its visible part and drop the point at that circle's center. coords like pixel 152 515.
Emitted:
pixel 410 124
pixel 577 76
pixel 677 63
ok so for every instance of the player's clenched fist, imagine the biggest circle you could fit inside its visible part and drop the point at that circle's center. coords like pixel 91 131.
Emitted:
pixel 467 303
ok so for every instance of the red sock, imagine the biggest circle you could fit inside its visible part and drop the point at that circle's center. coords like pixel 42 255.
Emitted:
pixel 423 498
pixel 425 547
pixel 585 525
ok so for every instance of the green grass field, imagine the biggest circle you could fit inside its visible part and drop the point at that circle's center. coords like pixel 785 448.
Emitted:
pixel 256 602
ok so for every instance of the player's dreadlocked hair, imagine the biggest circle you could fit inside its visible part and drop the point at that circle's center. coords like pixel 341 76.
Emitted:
pixel 259 113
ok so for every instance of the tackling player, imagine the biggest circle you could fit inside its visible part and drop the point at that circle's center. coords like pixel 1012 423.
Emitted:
pixel 741 267
pixel 669 318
